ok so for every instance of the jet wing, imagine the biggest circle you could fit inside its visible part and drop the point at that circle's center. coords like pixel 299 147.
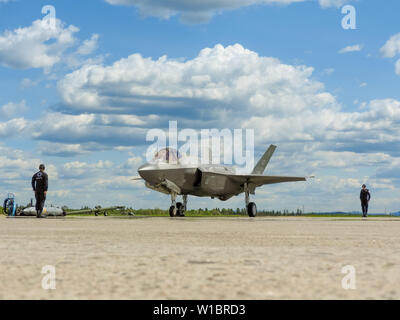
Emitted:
pixel 260 180
pixel 253 180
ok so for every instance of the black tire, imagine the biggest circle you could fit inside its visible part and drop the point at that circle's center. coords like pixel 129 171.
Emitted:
pixel 180 209
pixel 172 211
pixel 252 210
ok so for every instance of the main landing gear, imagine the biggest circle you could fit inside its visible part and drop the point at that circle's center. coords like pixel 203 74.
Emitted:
pixel 250 206
pixel 177 209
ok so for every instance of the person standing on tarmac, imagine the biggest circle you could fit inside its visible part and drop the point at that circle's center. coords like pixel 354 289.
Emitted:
pixel 365 196
pixel 40 185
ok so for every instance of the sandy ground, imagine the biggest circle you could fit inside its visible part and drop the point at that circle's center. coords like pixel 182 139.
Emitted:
pixel 200 258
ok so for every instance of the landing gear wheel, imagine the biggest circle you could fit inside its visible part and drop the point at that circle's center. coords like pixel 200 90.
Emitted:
pixel 180 209
pixel 252 210
pixel 172 211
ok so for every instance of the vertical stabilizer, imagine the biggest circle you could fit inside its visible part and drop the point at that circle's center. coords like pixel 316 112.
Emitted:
pixel 263 162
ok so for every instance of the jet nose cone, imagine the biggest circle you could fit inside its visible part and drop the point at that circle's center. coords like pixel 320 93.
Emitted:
pixel 146 167
pixel 146 170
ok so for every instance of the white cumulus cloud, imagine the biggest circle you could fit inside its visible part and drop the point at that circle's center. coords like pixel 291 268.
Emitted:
pixel 354 48
pixel 221 87
pixel 13 127
pixel 37 46
pixel 230 76
pixel 398 67
pixel 13 109
pixel 88 46
pixel 200 11
pixel 391 47
pixel 332 3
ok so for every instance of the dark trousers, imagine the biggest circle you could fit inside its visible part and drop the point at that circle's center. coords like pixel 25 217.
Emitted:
pixel 364 207
pixel 40 200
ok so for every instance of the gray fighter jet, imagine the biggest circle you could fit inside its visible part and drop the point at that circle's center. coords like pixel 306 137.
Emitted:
pixel 167 174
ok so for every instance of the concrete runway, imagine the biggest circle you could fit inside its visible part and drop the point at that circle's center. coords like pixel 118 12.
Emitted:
pixel 200 258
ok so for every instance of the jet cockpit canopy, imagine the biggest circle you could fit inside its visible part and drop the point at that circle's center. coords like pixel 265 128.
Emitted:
pixel 167 155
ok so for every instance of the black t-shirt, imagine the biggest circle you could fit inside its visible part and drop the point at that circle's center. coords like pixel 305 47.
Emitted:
pixel 40 181
pixel 365 195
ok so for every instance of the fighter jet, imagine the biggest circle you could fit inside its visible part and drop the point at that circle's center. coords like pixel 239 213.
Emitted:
pixel 166 173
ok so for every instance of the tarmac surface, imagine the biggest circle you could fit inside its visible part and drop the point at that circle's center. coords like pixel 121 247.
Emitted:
pixel 200 258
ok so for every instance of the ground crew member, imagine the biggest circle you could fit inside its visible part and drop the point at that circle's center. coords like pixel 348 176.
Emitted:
pixel 365 196
pixel 40 185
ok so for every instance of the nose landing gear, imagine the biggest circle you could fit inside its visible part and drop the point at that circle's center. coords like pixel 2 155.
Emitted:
pixel 177 209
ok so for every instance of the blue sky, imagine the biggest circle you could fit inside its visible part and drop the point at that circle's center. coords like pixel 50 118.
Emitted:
pixel 81 98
